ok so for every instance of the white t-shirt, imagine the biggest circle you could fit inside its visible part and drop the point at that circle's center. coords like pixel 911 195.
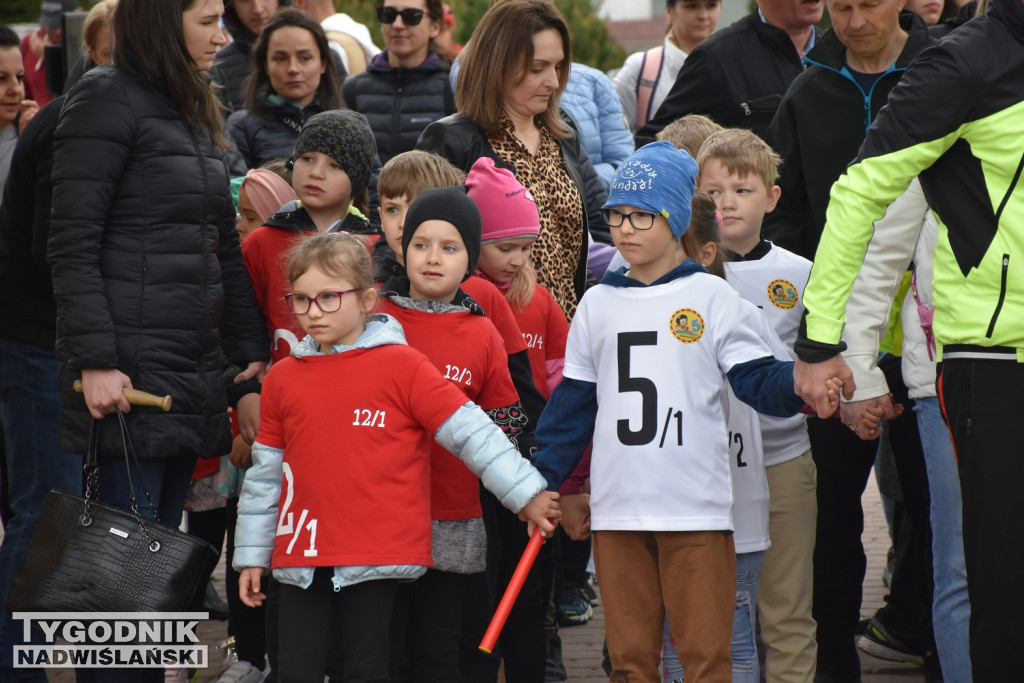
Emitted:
pixel 659 356
pixel 749 482
pixel 775 284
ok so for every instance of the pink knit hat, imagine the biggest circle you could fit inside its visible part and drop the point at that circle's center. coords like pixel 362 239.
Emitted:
pixel 267 192
pixel 507 208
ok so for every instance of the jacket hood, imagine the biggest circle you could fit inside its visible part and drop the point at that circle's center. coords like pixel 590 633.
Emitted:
pixel 431 63
pixel 830 52
pixel 381 330
pixel 619 278
pixel 1011 13
pixel 396 289
pixel 293 218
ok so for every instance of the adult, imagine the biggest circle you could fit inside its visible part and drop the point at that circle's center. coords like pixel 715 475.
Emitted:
pixel 405 87
pixel 15 109
pixel 28 366
pixel 33 47
pixel 244 19
pixel 146 264
pixel 948 122
pixel 97 39
pixel 645 78
pixel 817 130
pixel 349 39
pixel 512 75
pixel 738 76
pixel 293 78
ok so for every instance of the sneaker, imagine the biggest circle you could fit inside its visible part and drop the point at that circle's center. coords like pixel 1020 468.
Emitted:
pixel 589 593
pixel 878 643
pixel 575 610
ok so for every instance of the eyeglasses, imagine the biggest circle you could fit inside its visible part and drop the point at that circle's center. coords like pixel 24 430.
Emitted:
pixel 644 220
pixel 410 16
pixel 327 302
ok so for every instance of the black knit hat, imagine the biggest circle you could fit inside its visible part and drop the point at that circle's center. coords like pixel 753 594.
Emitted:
pixel 449 204
pixel 346 137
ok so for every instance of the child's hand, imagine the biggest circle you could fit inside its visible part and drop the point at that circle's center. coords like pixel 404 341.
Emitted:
pixel 241 453
pixel 542 512
pixel 248 417
pixel 576 515
pixel 249 586
pixel 834 389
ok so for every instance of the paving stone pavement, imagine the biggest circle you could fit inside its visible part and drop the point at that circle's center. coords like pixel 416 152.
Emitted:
pixel 582 644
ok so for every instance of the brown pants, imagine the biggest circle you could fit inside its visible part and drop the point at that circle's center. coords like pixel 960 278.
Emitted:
pixel 689 574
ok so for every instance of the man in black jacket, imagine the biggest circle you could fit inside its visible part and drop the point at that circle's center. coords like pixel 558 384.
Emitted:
pixel 738 76
pixel 818 129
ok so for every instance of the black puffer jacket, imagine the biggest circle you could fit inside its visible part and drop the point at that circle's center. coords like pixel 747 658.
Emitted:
pixel 399 103
pixel 232 64
pixel 147 266
pixel 258 139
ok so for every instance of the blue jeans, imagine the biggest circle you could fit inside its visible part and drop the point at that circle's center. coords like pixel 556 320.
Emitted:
pixel 35 464
pixel 744 646
pixel 951 607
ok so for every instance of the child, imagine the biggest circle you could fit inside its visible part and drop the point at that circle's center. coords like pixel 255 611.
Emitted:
pixel 738 170
pixel 441 243
pixel 689 132
pixel 260 195
pixel 511 225
pixel 746 462
pixel 341 509
pixel 331 163
pixel 647 360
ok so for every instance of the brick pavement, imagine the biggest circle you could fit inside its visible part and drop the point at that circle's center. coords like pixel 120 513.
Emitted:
pixel 582 644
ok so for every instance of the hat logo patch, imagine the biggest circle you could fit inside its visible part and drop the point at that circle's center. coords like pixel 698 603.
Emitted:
pixel 634 175
pixel 687 325
pixel 783 294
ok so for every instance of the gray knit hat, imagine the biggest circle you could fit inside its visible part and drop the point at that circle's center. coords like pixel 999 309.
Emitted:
pixel 346 137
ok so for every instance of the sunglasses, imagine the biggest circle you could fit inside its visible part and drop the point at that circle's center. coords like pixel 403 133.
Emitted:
pixel 410 17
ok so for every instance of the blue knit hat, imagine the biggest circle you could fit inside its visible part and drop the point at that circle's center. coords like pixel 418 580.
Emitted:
pixel 658 178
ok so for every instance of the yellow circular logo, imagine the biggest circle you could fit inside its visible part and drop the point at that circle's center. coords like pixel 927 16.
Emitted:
pixel 687 325
pixel 783 294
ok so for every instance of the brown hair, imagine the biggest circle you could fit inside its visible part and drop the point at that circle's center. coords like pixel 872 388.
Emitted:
pixel 257 85
pixel 498 55
pixel 149 42
pixel 100 17
pixel 689 132
pixel 742 153
pixel 704 228
pixel 335 253
pixel 409 173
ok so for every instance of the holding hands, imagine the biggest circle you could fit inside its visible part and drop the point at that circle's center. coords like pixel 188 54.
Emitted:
pixel 865 417
pixel 542 511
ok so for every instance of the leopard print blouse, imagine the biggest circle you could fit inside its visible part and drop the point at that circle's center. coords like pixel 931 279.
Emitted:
pixel 556 253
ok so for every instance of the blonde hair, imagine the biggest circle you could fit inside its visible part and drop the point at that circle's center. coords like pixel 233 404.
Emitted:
pixel 338 254
pixel 689 132
pixel 499 55
pixel 409 173
pixel 742 153
pixel 703 229
pixel 521 288
pixel 101 16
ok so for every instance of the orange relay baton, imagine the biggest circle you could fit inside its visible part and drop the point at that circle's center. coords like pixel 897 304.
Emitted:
pixel 515 584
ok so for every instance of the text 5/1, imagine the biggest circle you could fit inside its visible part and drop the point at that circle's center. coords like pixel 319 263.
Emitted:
pixel 367 418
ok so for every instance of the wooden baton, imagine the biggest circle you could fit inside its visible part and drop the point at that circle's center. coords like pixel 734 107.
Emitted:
pixel 136 397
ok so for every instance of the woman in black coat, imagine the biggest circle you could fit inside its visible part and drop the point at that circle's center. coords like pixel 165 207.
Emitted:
pixel 146 263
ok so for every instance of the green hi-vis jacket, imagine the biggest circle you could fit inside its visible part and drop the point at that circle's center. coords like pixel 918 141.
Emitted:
pixel 956 119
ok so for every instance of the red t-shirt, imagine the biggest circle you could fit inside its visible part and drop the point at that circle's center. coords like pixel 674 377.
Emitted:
pixel 496 308
pixel 356 429
pixel 35 74
pixel 545 330
pixel 468 351
pixel 265 252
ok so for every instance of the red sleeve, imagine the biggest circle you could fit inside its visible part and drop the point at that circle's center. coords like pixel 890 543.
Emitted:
pixel 497 309
pixel 251 256
pixel 498 390
pixel 574 484
pixel 271 432
pixel 432 398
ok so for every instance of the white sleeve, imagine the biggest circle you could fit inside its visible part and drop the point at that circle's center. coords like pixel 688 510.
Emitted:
pixel 579 354
pixel 625 86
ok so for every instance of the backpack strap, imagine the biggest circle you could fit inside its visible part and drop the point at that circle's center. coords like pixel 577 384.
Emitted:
pixel 650 72
pixel 353 51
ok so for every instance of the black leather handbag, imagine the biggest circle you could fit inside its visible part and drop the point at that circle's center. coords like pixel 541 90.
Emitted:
pixel 86 556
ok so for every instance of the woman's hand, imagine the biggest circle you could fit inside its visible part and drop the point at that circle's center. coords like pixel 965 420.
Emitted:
pixel 28 110
pixel 248 417
pixel 103 391
pixel 249 586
